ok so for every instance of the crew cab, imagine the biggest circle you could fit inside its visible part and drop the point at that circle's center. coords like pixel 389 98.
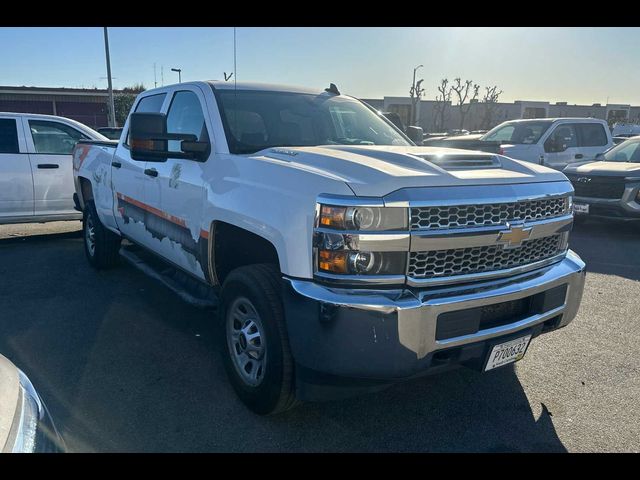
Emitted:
pixel 551 142
pixel 608 188
pixel 554 142
pixel 36 178
pixel 344 257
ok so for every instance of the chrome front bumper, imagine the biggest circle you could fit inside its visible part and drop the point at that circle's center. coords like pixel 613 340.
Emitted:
pixel 389 334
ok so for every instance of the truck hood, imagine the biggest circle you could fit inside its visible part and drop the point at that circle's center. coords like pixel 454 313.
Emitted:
pixel 611 169
pixel 379 170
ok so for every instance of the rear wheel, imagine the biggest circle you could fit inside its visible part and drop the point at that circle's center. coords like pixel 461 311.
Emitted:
pixel 100 245
pixel 256 350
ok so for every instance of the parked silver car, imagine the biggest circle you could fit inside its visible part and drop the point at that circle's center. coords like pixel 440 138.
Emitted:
pixel 25 423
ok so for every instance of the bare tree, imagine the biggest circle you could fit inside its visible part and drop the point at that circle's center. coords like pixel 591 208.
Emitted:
pixel 467 91
pixel 443 100
pixel 490 103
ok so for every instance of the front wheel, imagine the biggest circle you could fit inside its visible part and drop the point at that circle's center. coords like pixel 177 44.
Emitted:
pixel 101 245
pixel 256 350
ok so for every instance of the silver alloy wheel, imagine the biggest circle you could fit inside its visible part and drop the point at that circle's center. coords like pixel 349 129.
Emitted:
pixel 246 341
pixel 90 235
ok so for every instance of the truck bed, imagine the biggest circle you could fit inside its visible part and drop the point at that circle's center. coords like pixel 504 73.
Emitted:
pixel 101 143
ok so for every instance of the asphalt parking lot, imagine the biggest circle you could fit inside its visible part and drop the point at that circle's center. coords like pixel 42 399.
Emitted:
pixel 125 365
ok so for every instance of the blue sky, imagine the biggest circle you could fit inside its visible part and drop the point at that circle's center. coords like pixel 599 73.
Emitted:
pixel 577 65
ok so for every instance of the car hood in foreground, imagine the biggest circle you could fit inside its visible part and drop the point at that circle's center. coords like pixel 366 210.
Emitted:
pixel 613 169
pixel 380 170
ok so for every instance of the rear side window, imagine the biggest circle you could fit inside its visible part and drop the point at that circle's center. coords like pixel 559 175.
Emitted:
pixel 150 104
pixel 592 134
pixel 8 136
pixel 53 137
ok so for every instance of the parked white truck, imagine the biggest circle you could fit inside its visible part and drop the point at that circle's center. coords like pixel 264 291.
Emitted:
pixel 36 178
pixel 344 257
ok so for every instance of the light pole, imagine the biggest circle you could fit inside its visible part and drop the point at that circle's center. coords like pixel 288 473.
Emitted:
pixel 112 116
pixel 414 93
pixel 179 70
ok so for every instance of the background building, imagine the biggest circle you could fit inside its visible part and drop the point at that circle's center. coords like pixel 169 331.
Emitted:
pixel 88 106
pixel 430 119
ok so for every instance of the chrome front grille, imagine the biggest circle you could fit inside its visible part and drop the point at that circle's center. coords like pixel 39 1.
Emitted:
pixel 486 215
pixel 463 261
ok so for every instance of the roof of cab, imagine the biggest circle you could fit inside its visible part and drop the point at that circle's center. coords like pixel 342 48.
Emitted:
pixel 265 87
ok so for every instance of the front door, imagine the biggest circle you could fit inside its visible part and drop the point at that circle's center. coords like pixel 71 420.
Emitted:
pixel 16 183
pixel 132 212
pixel 50 144
pixel 177 192
pixel 561 146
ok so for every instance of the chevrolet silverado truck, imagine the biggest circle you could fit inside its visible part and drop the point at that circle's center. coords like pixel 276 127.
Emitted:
pixel 344 257
pixel 608 188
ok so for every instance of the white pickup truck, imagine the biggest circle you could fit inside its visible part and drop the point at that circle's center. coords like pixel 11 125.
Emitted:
pixel 36 178
pixel 344 257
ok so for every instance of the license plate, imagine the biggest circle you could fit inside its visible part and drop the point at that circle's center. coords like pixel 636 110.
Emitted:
pixel 507 352
pixel 582 208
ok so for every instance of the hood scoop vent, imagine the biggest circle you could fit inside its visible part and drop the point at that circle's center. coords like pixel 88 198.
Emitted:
pixel 463 162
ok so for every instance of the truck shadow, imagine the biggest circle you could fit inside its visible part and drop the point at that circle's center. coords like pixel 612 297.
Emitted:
pixel 459 411
pixel 608 247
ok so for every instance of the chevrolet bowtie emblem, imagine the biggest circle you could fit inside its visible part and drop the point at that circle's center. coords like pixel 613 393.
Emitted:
pixel 514 236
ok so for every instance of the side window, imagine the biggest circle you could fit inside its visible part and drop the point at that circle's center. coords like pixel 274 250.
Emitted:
pixel 8 136
pixel 563 137
pixel 185 116
pixel 150 104
pixel 54 137
pixel 592 135
pixel 502 135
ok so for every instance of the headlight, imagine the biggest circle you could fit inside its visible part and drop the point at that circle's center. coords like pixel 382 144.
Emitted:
pixel 372 219
pixel 361 263
pixel 365 241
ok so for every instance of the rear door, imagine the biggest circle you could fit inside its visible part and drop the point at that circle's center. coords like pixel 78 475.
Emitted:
pixel 131 210
pixel 16 182
pixel 592 138
pixel 50 144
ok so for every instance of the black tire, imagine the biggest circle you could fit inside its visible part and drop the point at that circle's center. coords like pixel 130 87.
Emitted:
pixel 260 284
pixel 106 244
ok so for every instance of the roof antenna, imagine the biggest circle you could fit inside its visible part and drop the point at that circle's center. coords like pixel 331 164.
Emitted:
pixel 332 89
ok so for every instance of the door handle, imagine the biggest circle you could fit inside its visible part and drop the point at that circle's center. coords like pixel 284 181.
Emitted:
pixel 116 164
pixel 579 156
pixel 152 172
pixel 47 166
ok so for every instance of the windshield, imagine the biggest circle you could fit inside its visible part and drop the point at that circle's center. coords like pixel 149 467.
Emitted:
pixel 255 120
pixel 627 151
pixel 517 132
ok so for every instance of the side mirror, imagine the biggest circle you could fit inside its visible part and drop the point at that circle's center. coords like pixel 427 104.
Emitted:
pixel 415 134
pixel 148 139
pixel 599 156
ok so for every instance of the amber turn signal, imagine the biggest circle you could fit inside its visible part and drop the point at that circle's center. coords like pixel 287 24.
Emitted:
pixel 334 262
pixel 332 217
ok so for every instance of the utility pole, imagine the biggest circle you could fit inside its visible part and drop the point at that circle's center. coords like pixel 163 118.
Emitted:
pixel 162 75
pixel 155 78
pixel 112 116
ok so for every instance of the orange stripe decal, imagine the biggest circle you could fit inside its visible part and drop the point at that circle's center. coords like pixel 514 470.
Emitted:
pixel 159 213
